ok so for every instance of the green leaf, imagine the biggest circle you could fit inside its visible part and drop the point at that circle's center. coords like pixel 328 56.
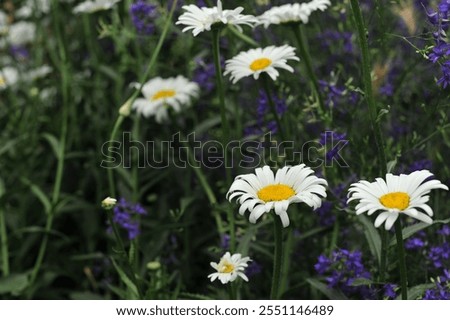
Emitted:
pixel 372 236
pixel 13 283
pixel 193 296
pixel 416 292
pixel 361 282
pixel 411 230
pixel 130 285
pixel 2 188
pixel 85 296
pixel 39 194
pixel 53 142
pixel 330 293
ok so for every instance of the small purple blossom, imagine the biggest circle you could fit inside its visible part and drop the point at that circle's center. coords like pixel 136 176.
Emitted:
pixel 143 15
pixel 342 269
pixel 125 214
pixel 442 289
pixel 337 141
pixel 253 269
pixel 389 291
pixel 204 75
pixel 439 256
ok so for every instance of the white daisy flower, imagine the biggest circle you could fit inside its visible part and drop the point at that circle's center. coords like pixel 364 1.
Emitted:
pixel 406 193
pixel 256 61
pixel 229 268
pixel 289 13
pixel 263 191
pixel 40 6
pixel 201 19
pixel 163 93
pixel 8 77
pixel 38 73
pixel 21 33
pixel 94 6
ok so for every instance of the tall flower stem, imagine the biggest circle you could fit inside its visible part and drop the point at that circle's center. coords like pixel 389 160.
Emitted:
pixel 4 244
pixel 122 250
pixel 278 256
pixel 225 125
pixel 305 55
pixel 373 109
pixel 273 107
pixel 401 259
pixel 131 100
pixel 63 66
pixel 366 70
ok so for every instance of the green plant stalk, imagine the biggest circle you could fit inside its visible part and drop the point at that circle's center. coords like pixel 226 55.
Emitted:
pixel 273 108
pixel 286 261
pixel 401 259
pixel 225 125
pixel 65 86
pixel 121 245
pixel 131 100
pixel 305 55
pixel 373 110
pixel 383 262
pixel 4 244
pixel 366 70
pixel 278 257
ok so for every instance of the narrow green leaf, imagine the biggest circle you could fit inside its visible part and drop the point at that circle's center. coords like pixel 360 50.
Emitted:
pixel 330 293
pixel 130 285
pixel 13 283
pixel 411 230
pixel 361 282
pixel 39 194
pixel 53 142
pixel 372 236
pixel 416 292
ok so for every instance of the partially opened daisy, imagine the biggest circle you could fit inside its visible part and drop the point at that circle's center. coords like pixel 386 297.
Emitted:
pixel 229 268
pixel 202 19
pixel 94 6
pixel 292 13
pixel 263 191
pixel 406 193
pixel 161 94
pixel 256 61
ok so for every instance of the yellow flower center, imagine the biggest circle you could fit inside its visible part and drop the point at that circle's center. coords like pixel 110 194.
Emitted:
pixel 2 81
pixel 163 94
pixel 395 200
pixel 275 192
pixel 227 268
pixel 260 64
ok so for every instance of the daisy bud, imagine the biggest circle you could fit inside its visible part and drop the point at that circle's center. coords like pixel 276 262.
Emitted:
pixel 108 203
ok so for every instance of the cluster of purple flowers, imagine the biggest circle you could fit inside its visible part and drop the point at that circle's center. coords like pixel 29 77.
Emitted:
pixel 204 75
pixel 442 289
pixel 126 214
pixel 262 110
pixel 342 269
pixel 143 15
pixel 441 50
pixel 335 140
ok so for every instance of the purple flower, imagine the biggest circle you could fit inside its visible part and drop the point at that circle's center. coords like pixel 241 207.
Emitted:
pixel 204 75
pixel 439 256
pixel 225 242
pixel 441 291
pixel 415 243
pixel 125 214
pixel 440 50
pixel 333 139
pixel 143 15
pixel 389 291
pixel 19 52
pixel 445 231
pixel 342 269
pixel 326 217
pixel 253 269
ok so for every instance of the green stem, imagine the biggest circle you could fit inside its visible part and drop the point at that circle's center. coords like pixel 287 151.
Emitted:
pixel 4 244
pixel 286 260
pixel 225 126
pixel 366 70
pixel 219 83
pixel 142 80
pixel 273 108
pixel 232 291
pixel 383 262
pixel 278 255
pixel 401 259
pixel 123 251
pixel 65 86
pixel 305 55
